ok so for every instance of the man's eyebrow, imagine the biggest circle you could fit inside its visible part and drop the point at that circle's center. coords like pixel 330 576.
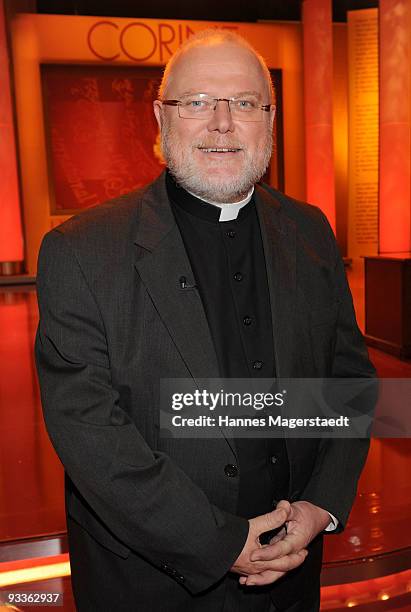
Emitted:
pixel 248 93
pixel 190 92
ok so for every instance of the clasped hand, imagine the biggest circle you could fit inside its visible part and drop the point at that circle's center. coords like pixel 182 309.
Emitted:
pixel 263 564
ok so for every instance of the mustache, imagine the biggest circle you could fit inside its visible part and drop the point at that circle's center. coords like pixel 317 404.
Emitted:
pixel 223 144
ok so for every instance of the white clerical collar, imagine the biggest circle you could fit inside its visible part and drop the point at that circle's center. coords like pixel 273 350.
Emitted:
pixel 229 211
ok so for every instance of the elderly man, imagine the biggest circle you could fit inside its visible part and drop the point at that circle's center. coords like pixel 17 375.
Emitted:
pixel 201 274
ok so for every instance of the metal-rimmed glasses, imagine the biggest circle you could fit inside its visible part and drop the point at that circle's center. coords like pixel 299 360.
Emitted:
pixel 202 106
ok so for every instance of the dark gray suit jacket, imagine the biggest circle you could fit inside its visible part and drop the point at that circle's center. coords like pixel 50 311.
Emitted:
pixel 113 321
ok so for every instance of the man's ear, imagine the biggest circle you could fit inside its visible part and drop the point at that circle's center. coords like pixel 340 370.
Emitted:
pixel 158 112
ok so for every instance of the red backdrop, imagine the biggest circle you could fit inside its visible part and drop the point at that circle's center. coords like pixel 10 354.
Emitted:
pixel 101 132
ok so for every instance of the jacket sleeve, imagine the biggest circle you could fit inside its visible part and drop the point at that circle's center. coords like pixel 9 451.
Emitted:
pixel 148 503
pixel 339 462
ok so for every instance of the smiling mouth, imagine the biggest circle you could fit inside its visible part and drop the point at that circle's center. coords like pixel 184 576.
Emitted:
pixel 218 150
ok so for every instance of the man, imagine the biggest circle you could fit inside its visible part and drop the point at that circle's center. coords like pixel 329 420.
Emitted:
pixel 201 274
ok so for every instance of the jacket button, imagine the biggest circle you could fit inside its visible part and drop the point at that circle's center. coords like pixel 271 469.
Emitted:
pixel 257 365
pixel 231 233
pixel 247 320
pixel 238 276
pixel 273 459
pixel 231 470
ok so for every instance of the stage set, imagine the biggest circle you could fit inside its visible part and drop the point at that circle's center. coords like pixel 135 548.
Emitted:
pixel 76 128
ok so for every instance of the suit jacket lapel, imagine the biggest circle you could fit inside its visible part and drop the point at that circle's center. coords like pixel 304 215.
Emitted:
pixel 160 265
pixel 163 263
pixel 279 241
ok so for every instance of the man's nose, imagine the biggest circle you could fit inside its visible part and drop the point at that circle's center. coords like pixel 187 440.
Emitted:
pixel 221 119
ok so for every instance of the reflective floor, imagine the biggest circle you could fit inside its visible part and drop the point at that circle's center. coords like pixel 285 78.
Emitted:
pixel 31 477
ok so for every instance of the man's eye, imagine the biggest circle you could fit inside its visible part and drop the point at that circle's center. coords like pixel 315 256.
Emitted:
pixel 245 104
pixel 196 104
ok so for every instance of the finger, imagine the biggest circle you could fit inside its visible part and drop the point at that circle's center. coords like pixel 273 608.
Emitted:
pixel 283 564
pixel 280 535
pixel 288 545
pixel 285 505
pixel 267 577
pixel 272 520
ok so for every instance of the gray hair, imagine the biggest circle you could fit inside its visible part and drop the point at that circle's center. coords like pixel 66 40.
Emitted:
pixel 214 36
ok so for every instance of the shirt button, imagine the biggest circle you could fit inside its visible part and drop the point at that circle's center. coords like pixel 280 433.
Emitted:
pixel 231 470
pixel 238 276
pixel 247 320
pixel 257 365
pixel 230 233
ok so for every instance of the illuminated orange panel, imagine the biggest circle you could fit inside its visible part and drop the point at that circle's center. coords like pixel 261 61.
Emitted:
pixel 11 237
pixel 14 566
pixel 318 91
pixel 395 146
pixel 32 570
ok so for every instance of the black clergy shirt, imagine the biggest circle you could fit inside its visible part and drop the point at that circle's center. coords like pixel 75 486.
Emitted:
pixel 227 259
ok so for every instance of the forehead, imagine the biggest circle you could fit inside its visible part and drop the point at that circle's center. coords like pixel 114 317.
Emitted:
pixel 217 69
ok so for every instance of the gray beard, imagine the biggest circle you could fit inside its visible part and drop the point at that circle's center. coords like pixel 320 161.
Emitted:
pixel 185 171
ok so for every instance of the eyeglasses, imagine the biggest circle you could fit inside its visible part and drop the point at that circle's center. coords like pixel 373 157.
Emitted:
pixel 202 106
